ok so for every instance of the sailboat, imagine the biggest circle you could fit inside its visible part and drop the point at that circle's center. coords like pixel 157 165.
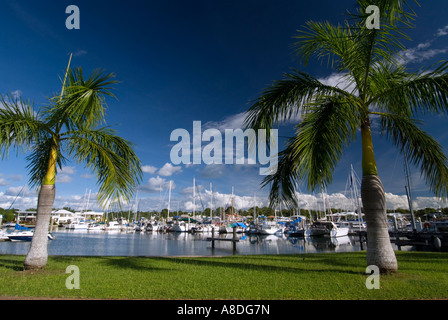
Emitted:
pixel 24 234
pixel 184 226
pixel 324 227
pixel 209 226
pixel 270 227
pixel 355 223
pixel 413 225
pixel 226 227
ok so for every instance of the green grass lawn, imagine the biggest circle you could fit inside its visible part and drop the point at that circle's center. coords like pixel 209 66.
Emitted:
pixel 421 275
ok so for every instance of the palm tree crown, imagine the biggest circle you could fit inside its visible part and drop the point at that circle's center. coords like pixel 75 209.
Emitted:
pixel 374 84
pixel 69 128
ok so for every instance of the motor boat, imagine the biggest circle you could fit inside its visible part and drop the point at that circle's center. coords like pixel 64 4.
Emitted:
pixel 24 234
pixel 326 228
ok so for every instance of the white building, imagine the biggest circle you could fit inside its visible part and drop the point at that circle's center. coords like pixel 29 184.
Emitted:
pixel 60 216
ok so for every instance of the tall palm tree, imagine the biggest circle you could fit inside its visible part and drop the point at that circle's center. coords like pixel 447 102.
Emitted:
pixel 376 86
pixel 68 126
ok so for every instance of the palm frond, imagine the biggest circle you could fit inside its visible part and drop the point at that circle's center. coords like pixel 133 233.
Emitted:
pixel 282 183
pixel 20 125
pixel 326 42
pixel 286 99
pixel 393 12
pixel 111 158
pixel 83 104
pixel 352 47
pixel 314 152
pixel 421 92
pixel 420 148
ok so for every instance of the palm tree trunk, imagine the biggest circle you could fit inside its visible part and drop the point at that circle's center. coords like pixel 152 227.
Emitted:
pixel 37 255
pixel 379 248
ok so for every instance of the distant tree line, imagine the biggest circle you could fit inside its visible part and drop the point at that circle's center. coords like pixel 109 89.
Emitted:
pixel 11 214
pixel 258 211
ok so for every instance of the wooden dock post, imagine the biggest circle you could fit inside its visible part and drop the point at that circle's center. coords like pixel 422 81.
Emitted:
pixel 360 240
pixel 234 238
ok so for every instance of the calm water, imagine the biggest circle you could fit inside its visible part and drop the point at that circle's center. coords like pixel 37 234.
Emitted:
pixel 100 243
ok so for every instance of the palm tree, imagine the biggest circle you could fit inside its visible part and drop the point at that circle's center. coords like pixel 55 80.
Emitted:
pixel 68 126
pixel 376 86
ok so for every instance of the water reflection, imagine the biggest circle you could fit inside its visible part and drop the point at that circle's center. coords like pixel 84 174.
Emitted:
pixel 116 243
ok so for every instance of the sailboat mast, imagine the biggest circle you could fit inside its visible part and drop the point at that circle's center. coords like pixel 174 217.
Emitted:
pixel 211 202
pixel 169 202
pixel 194 198
pixel 255 207
pixel 232 204
pixel 355 194
pixel 408 192
pixel 323 198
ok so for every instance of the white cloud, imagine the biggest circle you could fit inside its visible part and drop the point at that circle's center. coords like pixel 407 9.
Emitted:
pixel 22 191
pixel 168 170
pixel 3 181
pixel 339 80
pixel 79 53
pixel 15 177
pixel 63 175
pixel 213 171
pixel 420 53
pixel 149 169
pixel 16 94
pixel 20 197
pixel 63 178
pixel 189 190
pixel 235 121
pixel 67 170
pixel 442 31
pixel 423 51
pixel 157 184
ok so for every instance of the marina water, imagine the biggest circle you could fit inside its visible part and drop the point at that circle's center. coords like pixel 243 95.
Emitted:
pixel 116 243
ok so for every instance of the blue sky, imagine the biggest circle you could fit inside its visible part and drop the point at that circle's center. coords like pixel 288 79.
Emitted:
pixel 184 61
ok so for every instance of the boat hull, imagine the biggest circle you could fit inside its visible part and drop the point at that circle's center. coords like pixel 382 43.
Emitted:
pixel 25 236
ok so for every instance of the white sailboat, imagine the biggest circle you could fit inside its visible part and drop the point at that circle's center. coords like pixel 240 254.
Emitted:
pixel 209 227
pixel 78 223
pixel 325 228
pixel 180 226
pixel 271 227
pixel 184 226
pixel 353 219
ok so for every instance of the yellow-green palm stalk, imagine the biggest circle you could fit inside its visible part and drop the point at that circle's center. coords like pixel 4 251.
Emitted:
pixel 375 85
pixel 69 126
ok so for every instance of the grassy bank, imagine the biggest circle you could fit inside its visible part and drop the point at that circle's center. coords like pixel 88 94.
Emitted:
pixel 422 275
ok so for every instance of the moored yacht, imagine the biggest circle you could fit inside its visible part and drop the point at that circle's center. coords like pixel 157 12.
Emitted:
pixel 325 228
pixel 24 234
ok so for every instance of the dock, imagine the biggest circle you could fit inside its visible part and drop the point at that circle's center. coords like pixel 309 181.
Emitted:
pixel 234 239
pixel 434 241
